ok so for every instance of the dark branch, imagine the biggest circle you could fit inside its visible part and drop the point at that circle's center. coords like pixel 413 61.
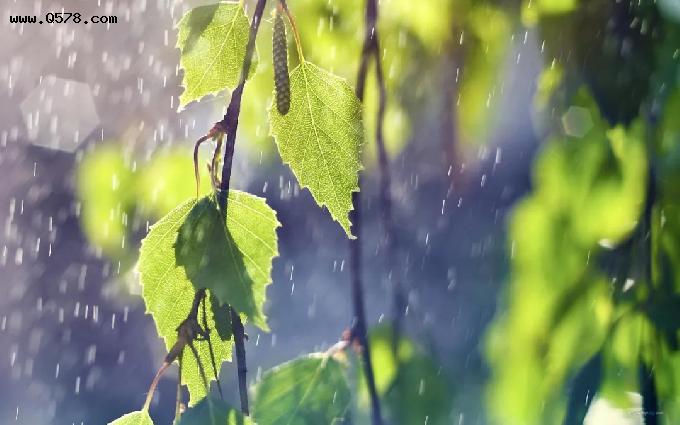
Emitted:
pixel 359 326
pixel 229 125
pixel 650 399
pixel 241 368
pixel 385 197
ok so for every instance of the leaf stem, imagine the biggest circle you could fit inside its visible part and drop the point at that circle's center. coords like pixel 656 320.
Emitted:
pixel 154 384
pixel 293 25
pixel 197 174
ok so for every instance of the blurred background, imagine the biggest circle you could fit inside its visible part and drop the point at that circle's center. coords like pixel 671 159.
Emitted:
pixel 534 153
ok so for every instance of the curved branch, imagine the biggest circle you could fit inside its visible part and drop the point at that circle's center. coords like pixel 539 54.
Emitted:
pixel 359 332
pixel 229 125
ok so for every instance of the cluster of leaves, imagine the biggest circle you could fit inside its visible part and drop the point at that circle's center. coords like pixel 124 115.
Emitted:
pixel 592 304
pixel 198 246
pixel 193 247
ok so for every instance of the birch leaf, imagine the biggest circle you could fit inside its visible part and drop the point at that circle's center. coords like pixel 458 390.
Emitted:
pixel 212 40
pixel 321 137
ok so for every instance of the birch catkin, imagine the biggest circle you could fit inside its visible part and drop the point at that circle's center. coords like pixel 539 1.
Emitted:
pixel 280 54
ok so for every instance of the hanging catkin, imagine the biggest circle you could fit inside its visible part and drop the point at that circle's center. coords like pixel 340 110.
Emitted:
pixel 281 78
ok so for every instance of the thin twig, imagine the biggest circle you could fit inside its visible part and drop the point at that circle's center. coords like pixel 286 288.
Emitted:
pixel 154 384
pixel 385 197
pixel 197 174
pixel 359 332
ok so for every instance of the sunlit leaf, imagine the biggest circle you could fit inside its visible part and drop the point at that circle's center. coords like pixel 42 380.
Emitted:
pixel 589 190
pixel 168 294
pixel 212 40
pixel 307 391
pixel 134 418
pixel 233 262
pixel 321 138
pixel 212 411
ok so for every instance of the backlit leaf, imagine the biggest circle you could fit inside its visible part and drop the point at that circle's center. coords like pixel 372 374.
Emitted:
pixel 321 138
pixel 212 411
pixel 134 418
pixel 306 391
pixel 212 40
pixel 233 262
pixel 168 294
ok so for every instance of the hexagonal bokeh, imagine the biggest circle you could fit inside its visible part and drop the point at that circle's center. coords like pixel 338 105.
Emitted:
pixel 59 113
pixel 577 121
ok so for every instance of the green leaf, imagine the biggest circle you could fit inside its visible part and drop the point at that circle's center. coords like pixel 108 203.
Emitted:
pixel 168 295
pixel 233 262
pixel 306 391
pixel 211 411
pixel 212 40
pixel 588 194
pixel 105 182
pixel 167 180
pixel 135 418
pixel 490 30
pixel 321 138
pixel 414 390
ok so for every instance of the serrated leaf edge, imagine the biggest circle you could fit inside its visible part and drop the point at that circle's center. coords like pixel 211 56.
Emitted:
pixel 182 106
pixel 355 189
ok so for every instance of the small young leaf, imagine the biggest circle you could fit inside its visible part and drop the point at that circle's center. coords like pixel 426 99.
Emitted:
pixel 234 261
pixel 168 295
pixel 135 418
pixel 212 411
pixel 212 40
pixel 321 137
pixel 306 391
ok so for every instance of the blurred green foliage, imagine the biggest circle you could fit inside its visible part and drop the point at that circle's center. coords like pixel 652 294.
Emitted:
pixel 413 388
pixel 104 181
pixel 593 305
pixel 120 196
pixel 589 193
pixel 488 30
